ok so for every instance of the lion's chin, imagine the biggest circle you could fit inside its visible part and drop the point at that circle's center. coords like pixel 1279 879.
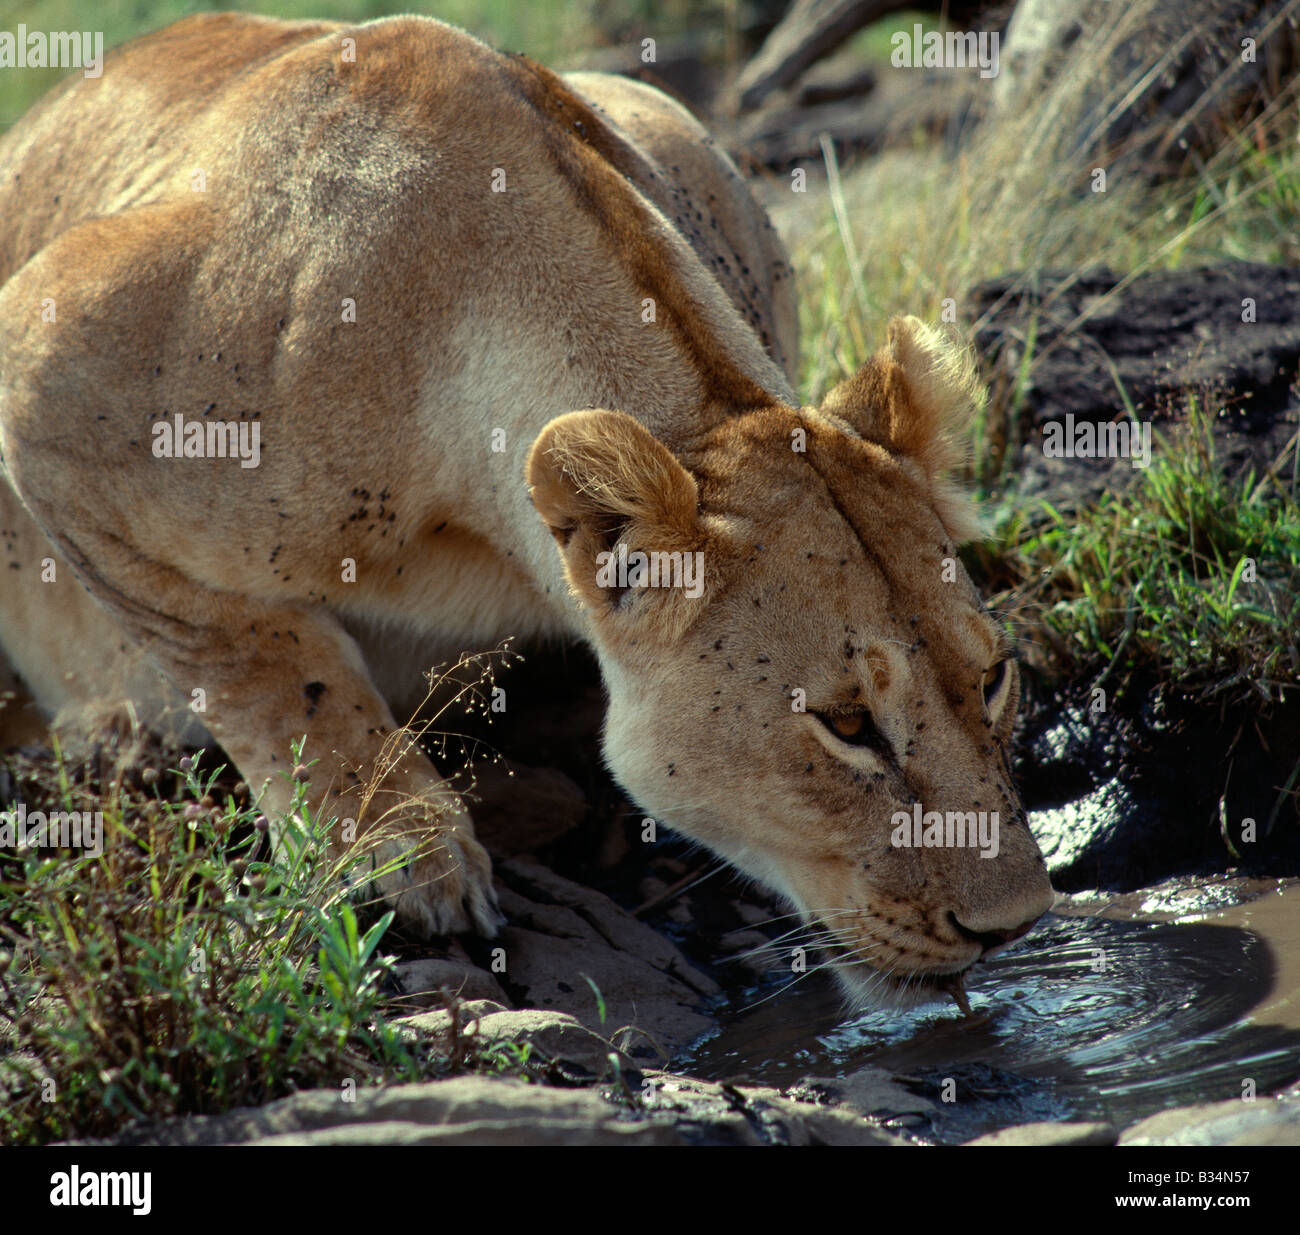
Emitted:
pixel 872 990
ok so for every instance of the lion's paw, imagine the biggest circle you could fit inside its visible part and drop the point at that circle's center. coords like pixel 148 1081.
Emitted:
pixel 439 884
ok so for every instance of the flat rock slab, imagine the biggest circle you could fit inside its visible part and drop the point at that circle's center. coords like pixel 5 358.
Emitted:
pixel 1051 1134
pixel 447 978
pixel 561 939
pixel 1265 1121
pixel 460 1110
pixel 550 1035
pixel 484 1110
pixel 561 934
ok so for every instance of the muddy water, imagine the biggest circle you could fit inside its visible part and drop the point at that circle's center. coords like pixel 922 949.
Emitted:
pixel 1113 1008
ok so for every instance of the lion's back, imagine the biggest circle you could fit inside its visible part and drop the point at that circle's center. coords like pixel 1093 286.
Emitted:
pixel 232 94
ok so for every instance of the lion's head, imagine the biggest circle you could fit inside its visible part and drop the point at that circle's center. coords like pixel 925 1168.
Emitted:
pixel 831 709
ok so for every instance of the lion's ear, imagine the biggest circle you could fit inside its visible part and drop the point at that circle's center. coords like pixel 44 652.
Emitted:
pixel 916 397
pixel 597 478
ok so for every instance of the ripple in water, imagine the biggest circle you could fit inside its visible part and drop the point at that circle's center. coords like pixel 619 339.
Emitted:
pixel 1089 1019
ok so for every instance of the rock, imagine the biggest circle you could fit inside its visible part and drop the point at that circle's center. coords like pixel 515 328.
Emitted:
pixel 1109 795
pixel 554 1034
pixel 749 1115
pixel 433 977
pixel 1161 336
pixel 561 934
pixel 539 1132
pixel 488 1110
pixel 462 1110
pixel 1265 1121
pixel 1050 1134
pixel 869 1091
pixel 679 912
pixel 437 1022
pixel 828 1125
pixel 523 809
pixel 750 948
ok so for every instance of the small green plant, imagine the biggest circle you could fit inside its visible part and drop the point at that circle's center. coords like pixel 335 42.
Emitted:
pixel 600 999
pixel 506 1057
pixel 180 971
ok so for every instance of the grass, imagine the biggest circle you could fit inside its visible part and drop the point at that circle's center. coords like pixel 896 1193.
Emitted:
pixel 187 966
pixel 1193 573
pixel 953 223
pixel 913 227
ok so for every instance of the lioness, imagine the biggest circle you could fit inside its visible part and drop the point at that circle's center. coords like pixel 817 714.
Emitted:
pixel 424 293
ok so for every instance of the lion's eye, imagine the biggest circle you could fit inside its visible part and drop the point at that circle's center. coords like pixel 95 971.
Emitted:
pixel 994 680
pixel 849 725
pixel 858 729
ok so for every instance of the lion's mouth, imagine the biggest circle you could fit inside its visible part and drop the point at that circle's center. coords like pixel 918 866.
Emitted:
pixel 937 984
pixel 954 984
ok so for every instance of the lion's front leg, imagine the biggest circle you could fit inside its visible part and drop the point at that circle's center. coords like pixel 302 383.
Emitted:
pixel 267 675
pixel 289 673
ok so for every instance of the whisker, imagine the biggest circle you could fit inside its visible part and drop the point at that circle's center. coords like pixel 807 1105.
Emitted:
pixel 791 984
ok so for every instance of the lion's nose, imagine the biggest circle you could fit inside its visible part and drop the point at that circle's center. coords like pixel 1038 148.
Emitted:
pixel 990 939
